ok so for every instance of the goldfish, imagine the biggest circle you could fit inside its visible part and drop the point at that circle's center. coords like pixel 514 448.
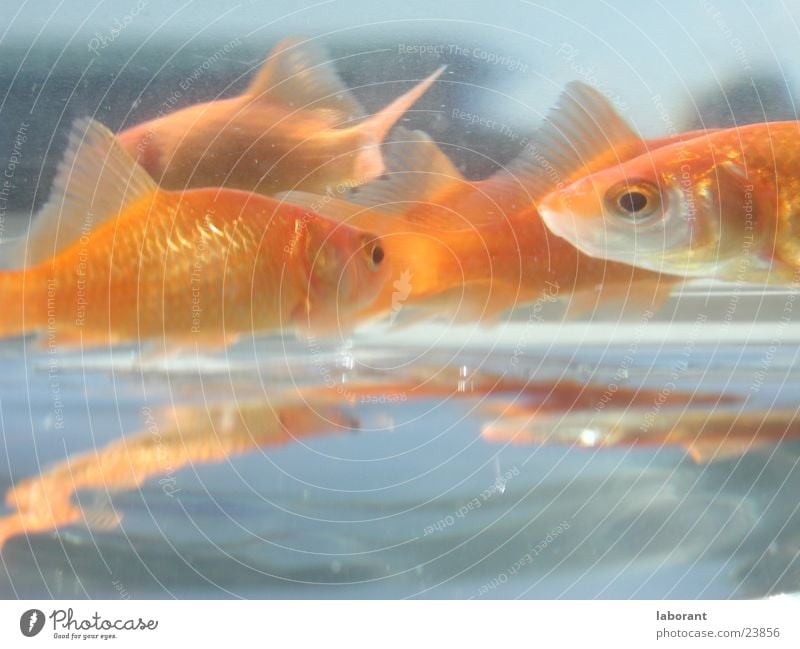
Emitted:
pixel 295 127
pixel 717 204
pixel 472 250
pixel 112 257
pixel 170 440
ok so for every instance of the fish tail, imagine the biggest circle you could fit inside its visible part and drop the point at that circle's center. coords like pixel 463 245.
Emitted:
pixel 369 163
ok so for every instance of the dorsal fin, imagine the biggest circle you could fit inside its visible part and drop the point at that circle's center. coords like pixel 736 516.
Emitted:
pixel 582 133
pixel 96 179
pixel 416 169
pixel 302 75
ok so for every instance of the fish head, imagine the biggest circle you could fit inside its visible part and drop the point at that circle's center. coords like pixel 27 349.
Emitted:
pixel 346 268
pixel 663 211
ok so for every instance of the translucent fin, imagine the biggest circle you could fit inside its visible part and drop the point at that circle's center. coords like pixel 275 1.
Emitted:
pixel 582 133
pixel 302 75
pixel 416 170
pixel 95 181
pixel 370 163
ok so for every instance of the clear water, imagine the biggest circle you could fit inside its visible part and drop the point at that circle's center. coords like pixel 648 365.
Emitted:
pixel 402 490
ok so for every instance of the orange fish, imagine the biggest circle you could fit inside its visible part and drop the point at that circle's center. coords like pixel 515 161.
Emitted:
pixel 112 257
pixel 170 441
pixel 295 127
pixel 719 204
pixel 470 250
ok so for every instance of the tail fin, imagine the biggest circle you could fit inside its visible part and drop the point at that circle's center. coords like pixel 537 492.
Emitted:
pixel 369 164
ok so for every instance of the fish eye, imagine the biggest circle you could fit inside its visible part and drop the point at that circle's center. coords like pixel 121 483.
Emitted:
pixel 377 255
pixel 632 201
pixel 374 252
pixel 635 200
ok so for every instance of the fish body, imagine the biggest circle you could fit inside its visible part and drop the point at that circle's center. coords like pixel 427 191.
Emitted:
pixel 203 265
pixel 296 127
pixel 470 250
pixel 724 205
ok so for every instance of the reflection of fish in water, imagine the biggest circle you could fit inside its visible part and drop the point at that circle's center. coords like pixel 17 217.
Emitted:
pixel 200 435
pixel 288 130
pixel 472 250
pixel 112 257
pixel 189 436
pixel 708 434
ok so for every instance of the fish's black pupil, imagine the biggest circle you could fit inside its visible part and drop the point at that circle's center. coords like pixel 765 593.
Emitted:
pixel 377 255
pixel 633 202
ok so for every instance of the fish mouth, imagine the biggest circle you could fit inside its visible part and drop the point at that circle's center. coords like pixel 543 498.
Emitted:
pixel 556 220
pixel 563 223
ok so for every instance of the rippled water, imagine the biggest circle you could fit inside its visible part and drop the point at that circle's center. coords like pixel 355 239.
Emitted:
pixel 415 473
